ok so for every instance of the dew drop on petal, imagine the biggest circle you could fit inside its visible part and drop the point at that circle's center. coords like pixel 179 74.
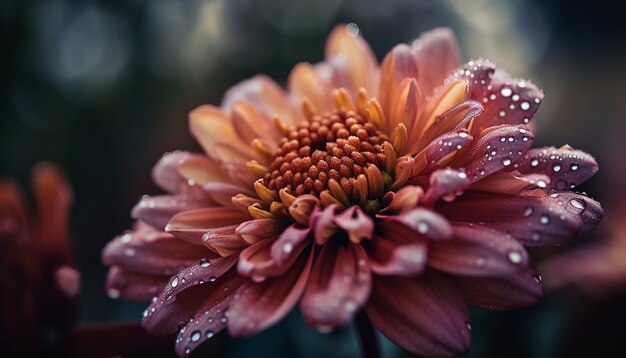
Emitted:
pixel 524 106
pixel 537 278
pixel 515 257
pixel 209 334
pixel 204 263
pixel 506 92
pixel 506 161
pixel 288 247
pixel 174 281
pixel 422 228
pixel 195 336
pixel 544 219
pixel 212 279
pixel 534 162
pixel 574 167
pixel 578 204
pixel 556 167
pixel 528 211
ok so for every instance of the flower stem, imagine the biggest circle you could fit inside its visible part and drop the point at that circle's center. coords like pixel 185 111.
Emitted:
pixel 367 336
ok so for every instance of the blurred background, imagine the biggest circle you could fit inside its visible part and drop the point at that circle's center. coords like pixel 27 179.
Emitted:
pixel 103 88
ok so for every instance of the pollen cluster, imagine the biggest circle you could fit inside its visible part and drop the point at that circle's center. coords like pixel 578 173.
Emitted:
pixel 338 146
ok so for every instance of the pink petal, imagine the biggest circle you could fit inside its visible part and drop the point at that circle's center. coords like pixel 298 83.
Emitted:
pixel 397 65
pixel 258 229
pixel 534 221
pixel 134 285
pixel 511 183
pixel 150 251
pixel 185 292
pixel 157 211
pixel 447 184
pixel 250 124
pixel 396 251
pixel 405 199
pixel 438 149
pixel 223 193
pixel 426 316
pixel 422 221
pixel 258 263
pixel 165 175
pixel 478 251
pixel 339 285
pixel 193 224
pixel 437 55
pixel 264 94
pixel 519 289
pixel 291 241
pixel 360 62
pixel 495 149
pixel 358 225
pixel 566 166
pixel 506 100
pixel 260 305
pixel 323 223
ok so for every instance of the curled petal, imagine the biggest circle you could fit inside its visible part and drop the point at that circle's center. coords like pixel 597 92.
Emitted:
pixel 323 223
pixel 260 305
pixel 150 251
pixel 426 316
pixel 438 150
pixel 165 175
pixel 497 148
pixel 519 289
pixel 425 222
pixel 544 220
pixel 224 241
pixel 406 107
pixel 506 100
pixel 133 285
pixel 302 208
pixel 437 55
pixel 186 291
pixel 405 199
pixel 339 285
pixel 358 225
pixel 566 166
pixel 157 211
pixel 256 230
pixel 590 211
pixel 360 62
pixel 290 242
pixel 193 224
pixel 478 251
pixel 446 184
pixel 396 251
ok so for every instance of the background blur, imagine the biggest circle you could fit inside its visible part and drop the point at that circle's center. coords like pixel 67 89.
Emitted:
pixel 103 88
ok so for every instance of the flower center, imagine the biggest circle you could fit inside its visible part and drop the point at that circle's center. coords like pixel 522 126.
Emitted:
pixel 339 145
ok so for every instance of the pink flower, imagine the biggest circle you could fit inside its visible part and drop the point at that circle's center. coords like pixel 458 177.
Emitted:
pixel 407 189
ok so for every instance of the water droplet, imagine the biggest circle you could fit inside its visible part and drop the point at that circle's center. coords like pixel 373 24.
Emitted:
pixel 204 263
pixel 524 106
pixel 126 238
pixel 212 279
pixel 422 228
pixel 506 161
pixel 556 167
pixel 468 325
pixel 515 257
pixel 288 247
pixel 174 281
pixel 502 113
pixel 541 184
pixel 537 278
pixel 187 351
pixel 574 167
pixel 113 293
pixel 130 252
pixel 145 313
pixel 578 204
pixel 561 184
pixel 195 336
pixel 528 211
pixel 209 334
pixel 506 92
pixel 534 162
pixel 515 97
pixel 352 29
pixel 535 236
pixel 544 219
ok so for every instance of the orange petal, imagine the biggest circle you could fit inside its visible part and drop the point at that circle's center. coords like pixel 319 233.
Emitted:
pixel 305 82
pixel 397 65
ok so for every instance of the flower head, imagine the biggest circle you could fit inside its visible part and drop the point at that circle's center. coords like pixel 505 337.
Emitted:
pixel 407 189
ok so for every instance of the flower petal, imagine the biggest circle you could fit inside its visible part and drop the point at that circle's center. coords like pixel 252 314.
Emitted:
pixel 533 220
pixel 511 183
pixel 151 251
pixel 157 211
pixel 223 193
pixel 339 285
pixel 257 261
pixel 478 251
pixel 437 54
pixel 360 62
pixel 354 221
pixel 446 184
pixel 323 223
pixel 437 152
pixel 405 199
pixel 422 221
pixel 291 241
pixel 185 292
pixel 134 285
pixel 260 305
pixel 519 289
pixel 193 224
pixel 396 250
pixel 426 316
pixel 213 129
pixel 258 229
pixel 264 94
pixel 398 64
pixel 506 100
pixel 305 82
pixel 566 166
